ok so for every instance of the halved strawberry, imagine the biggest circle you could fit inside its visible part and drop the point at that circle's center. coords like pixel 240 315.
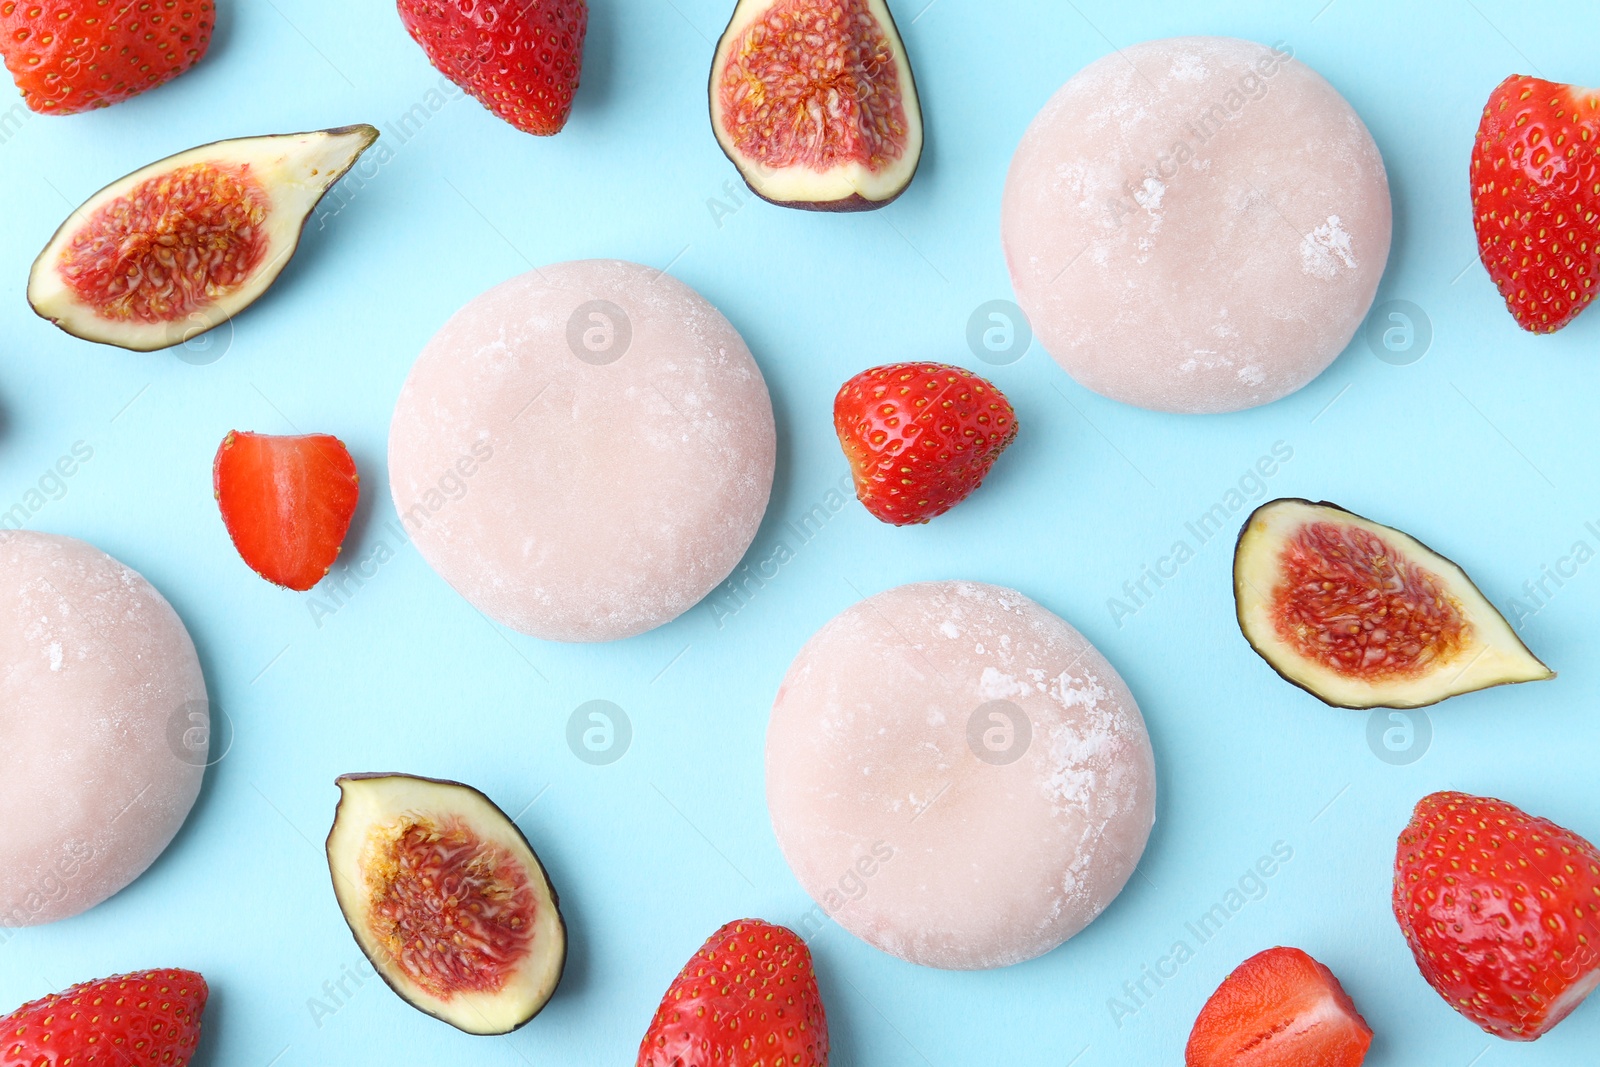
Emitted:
pixel 287 502
pixel 149 1017
pixel 520 58
pixel 1536 198
pixel 1279 1008
pixel 748 998
pixel 68 56
pixel 920 437
pixel 1501 910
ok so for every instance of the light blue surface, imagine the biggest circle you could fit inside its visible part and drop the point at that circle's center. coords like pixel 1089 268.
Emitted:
pixel 1483 449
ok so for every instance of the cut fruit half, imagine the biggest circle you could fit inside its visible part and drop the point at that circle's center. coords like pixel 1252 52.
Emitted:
pixel 181 246
pixel 815 103
pixel 447 899
pixel 1361 615
pixel 1279 1008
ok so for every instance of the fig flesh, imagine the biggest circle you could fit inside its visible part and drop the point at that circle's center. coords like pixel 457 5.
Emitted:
pixel 1361 615
pixel 815 103
pixel 447 900
pixel 180 246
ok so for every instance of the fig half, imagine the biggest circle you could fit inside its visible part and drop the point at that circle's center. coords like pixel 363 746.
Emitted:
pixel 447 899
pixel 815 103
pixel 1361 615
pixel 181 246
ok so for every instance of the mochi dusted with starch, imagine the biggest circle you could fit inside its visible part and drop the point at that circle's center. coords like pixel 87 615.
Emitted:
pixel 584 451
pixel 1196 224
pixel 957 776
pixel 103 726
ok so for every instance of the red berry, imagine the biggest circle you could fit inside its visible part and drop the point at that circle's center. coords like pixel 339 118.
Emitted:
pixel 133 1020
pixel 920 437
pixel 748 998
pixel 1500 911
pixel 1279 1008
pixel 287 503
pixel 520 58
pixel 69 56
pixel 1536 198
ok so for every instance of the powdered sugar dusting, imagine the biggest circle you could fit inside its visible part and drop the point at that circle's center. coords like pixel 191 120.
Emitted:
pixel 1327 248
pixel 1181 181
pixel 995 860
pixel 94 665
pixel 619 489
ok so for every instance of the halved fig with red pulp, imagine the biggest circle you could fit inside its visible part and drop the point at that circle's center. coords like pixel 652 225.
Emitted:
pixel 447 899
pixel 814 102
pixel 1361 615
pixel 184 244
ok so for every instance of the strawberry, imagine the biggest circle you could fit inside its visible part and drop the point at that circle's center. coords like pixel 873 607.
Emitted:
pixel 1279 1008
pixel 150 1017
pixel 1536 198
pixel 69 56
pixel 287 502
pixel 748 998
pixel 520 58
pixel 1499 909
pixel 920 437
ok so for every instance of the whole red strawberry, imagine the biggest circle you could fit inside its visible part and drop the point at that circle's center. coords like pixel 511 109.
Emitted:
pixel 920 437
pixel 287 502
pixel 520 58
pixel 69 56
pixel 748 998
pixel 1500 911
pixel 133 1020
pixel 1279 1008
pixel 1536 198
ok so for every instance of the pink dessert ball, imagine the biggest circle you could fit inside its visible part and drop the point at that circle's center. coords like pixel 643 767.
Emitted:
pixel 585 451
pixel 957 776
pixel 103 724
pixel 1196 224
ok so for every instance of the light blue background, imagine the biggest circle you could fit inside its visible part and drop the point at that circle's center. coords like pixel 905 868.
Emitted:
pixel 1483 448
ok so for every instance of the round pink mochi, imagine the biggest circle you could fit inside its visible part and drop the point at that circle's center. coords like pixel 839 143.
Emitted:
pixel 1196 224
pixel 101 703
pixel 957 776
pixel 585 451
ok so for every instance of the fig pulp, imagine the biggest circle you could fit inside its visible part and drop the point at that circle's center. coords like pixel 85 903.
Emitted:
pixel 814 102
pixel 447 900
pixel 181 246
pixel 1361 615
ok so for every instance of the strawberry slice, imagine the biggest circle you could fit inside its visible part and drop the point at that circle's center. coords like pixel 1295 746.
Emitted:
pixel 69 56
pixel 521 59
pixel 748 998
pixel 1501 910
pixel 1536 198
pixel 287 502
pixel 920 437
pixel 1279 1008
pixel 150 1017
